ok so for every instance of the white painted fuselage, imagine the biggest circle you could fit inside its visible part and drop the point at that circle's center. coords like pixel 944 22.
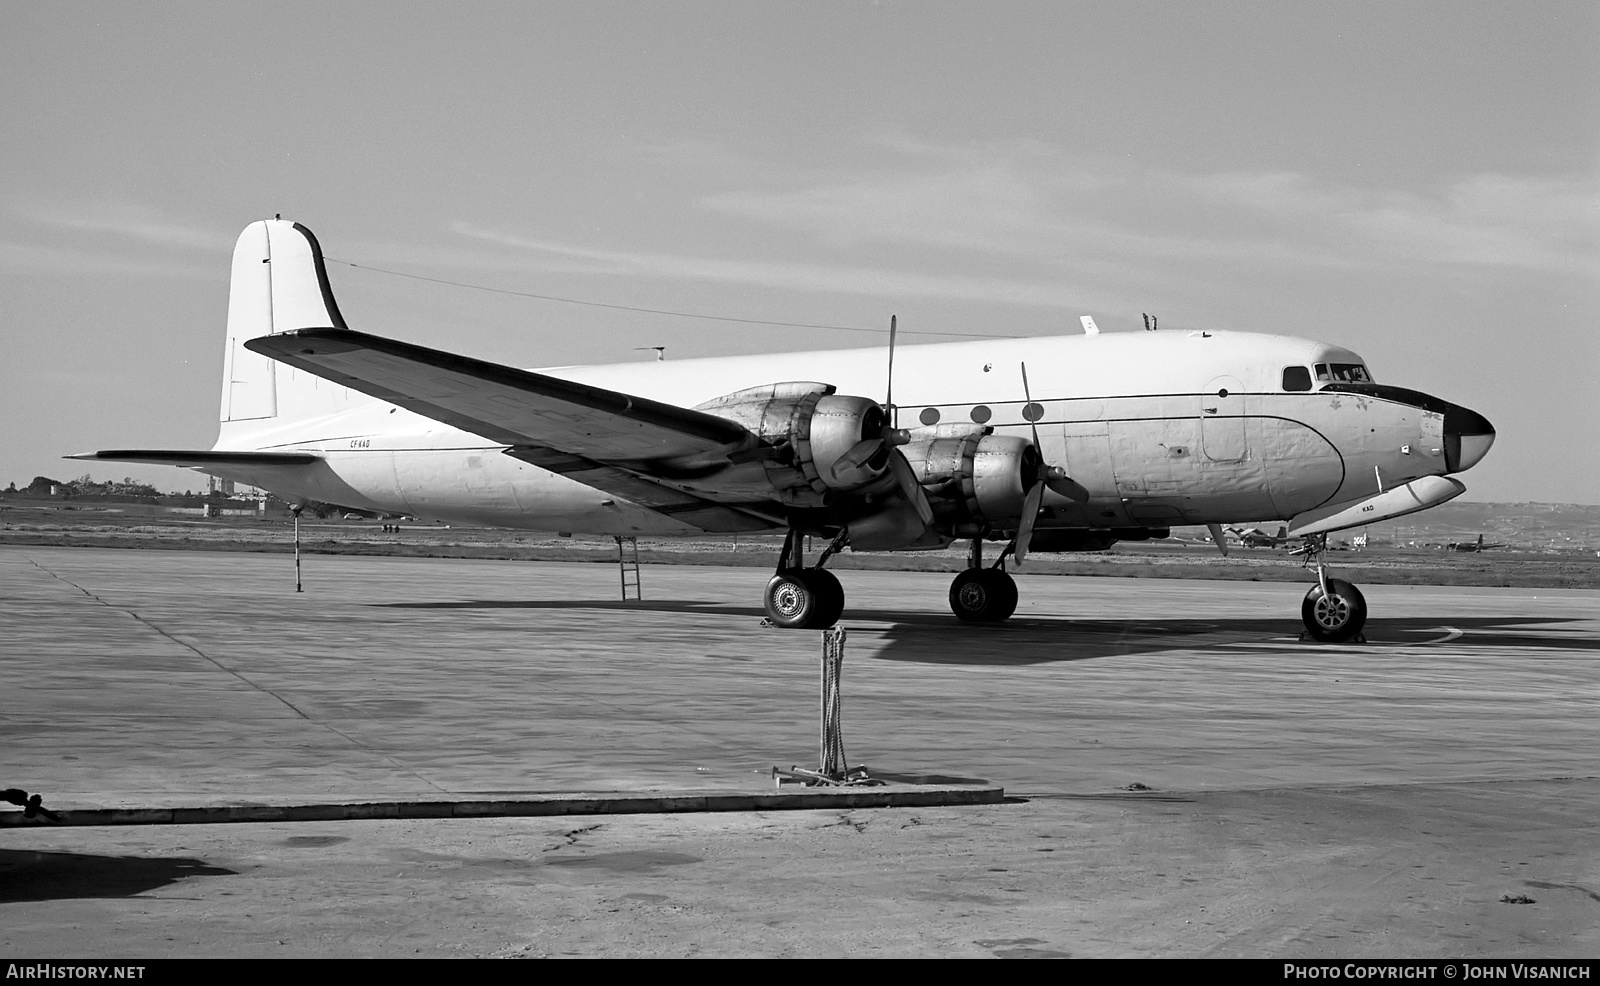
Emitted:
pixel 1161 428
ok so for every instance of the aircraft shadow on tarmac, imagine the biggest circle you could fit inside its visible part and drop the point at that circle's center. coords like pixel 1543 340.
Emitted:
pixel 1039 641
pixel 36 876
pixel 942 639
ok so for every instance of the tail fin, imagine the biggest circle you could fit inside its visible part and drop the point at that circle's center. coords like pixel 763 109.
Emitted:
pixel 279 283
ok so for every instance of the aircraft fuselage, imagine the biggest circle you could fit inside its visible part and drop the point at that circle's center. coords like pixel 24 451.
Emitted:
pixel 1161 428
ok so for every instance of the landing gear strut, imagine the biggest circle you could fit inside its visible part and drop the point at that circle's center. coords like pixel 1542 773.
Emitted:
pixel 983 595
pixel 1334 610
pixel 800 598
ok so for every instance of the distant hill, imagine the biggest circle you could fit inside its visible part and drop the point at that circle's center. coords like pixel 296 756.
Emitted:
pixel 1522 525
pixel 1518 526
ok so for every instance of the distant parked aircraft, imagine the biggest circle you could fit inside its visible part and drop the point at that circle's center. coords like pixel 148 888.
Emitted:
pixel 1255 537
pixel 1472 545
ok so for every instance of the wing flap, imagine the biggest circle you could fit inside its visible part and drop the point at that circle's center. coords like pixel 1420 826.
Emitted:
pixel 675 503
pixel 503 404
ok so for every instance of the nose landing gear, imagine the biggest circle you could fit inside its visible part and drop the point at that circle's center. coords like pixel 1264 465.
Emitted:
pixel 1334 610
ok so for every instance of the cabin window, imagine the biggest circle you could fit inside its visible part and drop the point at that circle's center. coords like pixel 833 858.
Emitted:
pixel 981 414
pixel 929 416
pixel 1350 373
pixel 1296 378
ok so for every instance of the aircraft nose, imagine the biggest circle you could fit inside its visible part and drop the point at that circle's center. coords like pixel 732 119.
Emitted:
pixel 1467 438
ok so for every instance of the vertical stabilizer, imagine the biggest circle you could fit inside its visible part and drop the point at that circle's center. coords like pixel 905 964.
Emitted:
pixel 279 283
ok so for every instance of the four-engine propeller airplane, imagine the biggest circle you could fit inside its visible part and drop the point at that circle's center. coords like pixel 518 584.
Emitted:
pixel 1039 444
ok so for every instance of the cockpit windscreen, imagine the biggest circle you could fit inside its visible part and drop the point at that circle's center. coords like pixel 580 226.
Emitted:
pixel 1342 373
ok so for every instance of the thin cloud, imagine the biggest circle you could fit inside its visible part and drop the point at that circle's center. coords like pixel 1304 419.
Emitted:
pixel 799 276
pixel 1038 204
pixel 41 259
pixel 1550 224
pixel 130 222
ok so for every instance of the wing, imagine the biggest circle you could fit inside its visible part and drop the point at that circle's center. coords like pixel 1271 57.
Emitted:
pixel 608 440
pixel 511 406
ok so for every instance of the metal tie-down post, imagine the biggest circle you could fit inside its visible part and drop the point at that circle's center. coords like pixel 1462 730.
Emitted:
pixel 296 509
pixel 835 769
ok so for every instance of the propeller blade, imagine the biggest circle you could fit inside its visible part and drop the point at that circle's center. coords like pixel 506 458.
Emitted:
pixel 1057 479
pixel 888 397
pixel 1030 516
pixel 907 478
pixel 1218 539
pixel 1029 398
pixel 854 459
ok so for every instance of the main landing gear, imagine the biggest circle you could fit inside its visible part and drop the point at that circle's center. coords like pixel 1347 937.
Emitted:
pixel 1334 610
pixel 983 595
pixel 800 598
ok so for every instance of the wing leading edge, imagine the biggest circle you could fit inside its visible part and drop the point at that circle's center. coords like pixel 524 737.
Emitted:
pixel 611 441
pixel 511 406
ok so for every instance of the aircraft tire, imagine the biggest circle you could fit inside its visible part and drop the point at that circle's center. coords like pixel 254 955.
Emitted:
pixel 1005 589
pixel 830 597
pixel 983 595
pixel 793 601
pixel 1338 616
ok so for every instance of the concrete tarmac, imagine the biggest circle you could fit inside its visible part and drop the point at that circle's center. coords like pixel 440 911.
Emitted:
pixel 1197 781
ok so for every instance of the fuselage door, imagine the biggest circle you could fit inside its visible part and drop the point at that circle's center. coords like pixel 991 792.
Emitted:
pixel 1222 410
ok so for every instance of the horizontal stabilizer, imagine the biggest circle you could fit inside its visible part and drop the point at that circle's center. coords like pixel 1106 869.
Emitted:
pixel 504 404
pixel 198 460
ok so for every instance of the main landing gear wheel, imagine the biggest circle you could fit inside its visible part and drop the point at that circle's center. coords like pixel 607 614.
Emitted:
pixel 830 604
pixel 1335 615
pixel 804 599
pixel 983 595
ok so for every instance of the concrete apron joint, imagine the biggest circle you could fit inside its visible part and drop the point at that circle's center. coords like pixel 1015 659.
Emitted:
pixel 240 677
pixel 916 796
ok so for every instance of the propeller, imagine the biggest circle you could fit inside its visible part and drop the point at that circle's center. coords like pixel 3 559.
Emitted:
pixel 888 440
pixel 1046 476
pixel 1054 477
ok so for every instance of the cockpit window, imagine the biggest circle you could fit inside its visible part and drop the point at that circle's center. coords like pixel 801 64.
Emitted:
pixel 1350 373
pixel 1296 378
pixel 1322 373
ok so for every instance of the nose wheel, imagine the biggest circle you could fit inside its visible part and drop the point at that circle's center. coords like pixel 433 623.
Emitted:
pixel 1336 613
pixel 1334 610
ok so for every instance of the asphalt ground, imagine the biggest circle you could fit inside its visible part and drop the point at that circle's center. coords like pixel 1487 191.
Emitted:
pixel 1191 779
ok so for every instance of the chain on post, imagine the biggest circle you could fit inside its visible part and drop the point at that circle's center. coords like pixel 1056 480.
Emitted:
pixel 834 769
pixel 833 760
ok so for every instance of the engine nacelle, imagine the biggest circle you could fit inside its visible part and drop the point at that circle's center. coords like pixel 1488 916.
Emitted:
pixel 974 481
pixel 810 430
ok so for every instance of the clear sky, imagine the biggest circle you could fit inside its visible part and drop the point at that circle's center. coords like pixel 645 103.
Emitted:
pixel 1417 181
